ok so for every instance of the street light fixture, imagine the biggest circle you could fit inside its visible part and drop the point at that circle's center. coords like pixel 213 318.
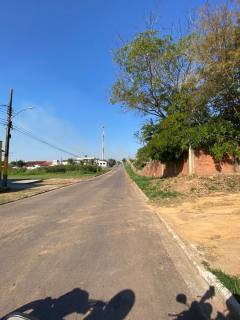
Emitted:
pixel 28 108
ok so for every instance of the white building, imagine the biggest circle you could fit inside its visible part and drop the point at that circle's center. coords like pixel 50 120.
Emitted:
pixel 85 160
pixel 64 162
pixel 102 163
pixel 55 162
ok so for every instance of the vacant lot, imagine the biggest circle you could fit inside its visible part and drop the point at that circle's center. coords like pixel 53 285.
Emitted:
pixel 211 225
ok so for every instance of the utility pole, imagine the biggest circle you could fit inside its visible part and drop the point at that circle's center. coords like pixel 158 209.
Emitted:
pixel 102 142
pixel 0 163
pixel 7 141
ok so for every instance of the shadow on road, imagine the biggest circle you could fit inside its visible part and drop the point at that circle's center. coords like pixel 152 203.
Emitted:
pixel 77 302
pixel 202 309
pixel 15 185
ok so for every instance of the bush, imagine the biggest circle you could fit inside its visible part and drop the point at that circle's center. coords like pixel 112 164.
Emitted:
pixel 56 169
pixel 90 168
pixel 17 170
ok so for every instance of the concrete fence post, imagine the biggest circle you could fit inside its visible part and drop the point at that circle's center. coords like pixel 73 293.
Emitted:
pixel 191 161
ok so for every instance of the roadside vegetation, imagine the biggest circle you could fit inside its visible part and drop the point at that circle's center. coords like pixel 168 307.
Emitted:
pixel 232 283
pixel 60 171
pixel 151 187
pixel 181 188
pixel 187 87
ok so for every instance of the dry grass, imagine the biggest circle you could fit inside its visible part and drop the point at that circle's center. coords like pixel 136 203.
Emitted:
pixel 200 186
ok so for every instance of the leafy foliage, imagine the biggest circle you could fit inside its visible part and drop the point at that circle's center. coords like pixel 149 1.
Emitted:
pixel 154 72
pixel 57 169
pixel 111 162
pixel 217 50
pixel 18 163
pixel 189 87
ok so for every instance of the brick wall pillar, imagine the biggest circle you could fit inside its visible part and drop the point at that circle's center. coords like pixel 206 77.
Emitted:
pixel 191 161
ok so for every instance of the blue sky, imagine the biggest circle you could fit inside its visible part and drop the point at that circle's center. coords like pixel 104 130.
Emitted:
pixel 56 54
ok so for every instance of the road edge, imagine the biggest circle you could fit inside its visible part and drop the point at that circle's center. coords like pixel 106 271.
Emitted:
pixel 223 293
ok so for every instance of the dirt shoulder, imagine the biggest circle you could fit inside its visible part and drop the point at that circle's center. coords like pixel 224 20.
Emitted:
pixel 207 216
pixel 204 212
pixel 210 225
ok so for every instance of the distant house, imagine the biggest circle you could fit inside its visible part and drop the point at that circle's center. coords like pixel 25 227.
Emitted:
pixel 86 160
pixel 30 165
pixel 91 160
pixel 102 163
pixel 55 162
pixel 64 162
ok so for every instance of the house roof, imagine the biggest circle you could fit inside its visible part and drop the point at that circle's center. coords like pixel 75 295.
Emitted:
pixel 38 163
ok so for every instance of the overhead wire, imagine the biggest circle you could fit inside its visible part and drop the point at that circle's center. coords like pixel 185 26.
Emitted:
pixel 20 130
pixel 30 134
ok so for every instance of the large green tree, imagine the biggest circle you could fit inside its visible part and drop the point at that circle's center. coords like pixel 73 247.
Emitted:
pixel 154 75
pixel 217 53
pixel 189 87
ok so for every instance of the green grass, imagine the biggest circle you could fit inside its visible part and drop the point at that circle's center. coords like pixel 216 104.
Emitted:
pixel 54 175
pixel 153 191
pixel 44 176
pixel 232 283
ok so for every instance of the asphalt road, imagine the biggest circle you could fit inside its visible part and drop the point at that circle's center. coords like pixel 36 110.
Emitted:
pixel 93 250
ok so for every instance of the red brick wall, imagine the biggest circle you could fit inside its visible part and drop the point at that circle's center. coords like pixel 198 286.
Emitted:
pixel 176 168
pixel 157 169
pixel 153 169
pixel 204 165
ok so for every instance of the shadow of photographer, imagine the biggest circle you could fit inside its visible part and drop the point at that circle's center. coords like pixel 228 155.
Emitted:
pixel 202 309
pixel 77 302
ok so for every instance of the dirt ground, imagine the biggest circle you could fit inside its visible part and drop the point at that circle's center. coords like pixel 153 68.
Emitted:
pixel 14 194
pixel 211 225
pixel 200 186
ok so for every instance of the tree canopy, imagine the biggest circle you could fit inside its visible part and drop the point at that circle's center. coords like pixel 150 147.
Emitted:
pixel 154 74
pixel 188 88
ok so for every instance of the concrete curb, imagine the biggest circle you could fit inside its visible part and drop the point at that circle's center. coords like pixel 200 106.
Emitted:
pixel 224 294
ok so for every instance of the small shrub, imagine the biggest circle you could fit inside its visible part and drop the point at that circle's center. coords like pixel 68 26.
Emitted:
pixel 91 168
pixel 56 169
pixel 15 171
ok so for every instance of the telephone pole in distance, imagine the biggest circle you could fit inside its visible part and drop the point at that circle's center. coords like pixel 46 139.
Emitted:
pixel 7 141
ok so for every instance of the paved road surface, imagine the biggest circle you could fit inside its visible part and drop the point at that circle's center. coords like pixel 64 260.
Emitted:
pixel 72 250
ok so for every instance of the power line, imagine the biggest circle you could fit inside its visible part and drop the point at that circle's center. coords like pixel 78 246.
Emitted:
pixel 28 133
pixel 20 130
pixel 3 122
pixel 3 112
